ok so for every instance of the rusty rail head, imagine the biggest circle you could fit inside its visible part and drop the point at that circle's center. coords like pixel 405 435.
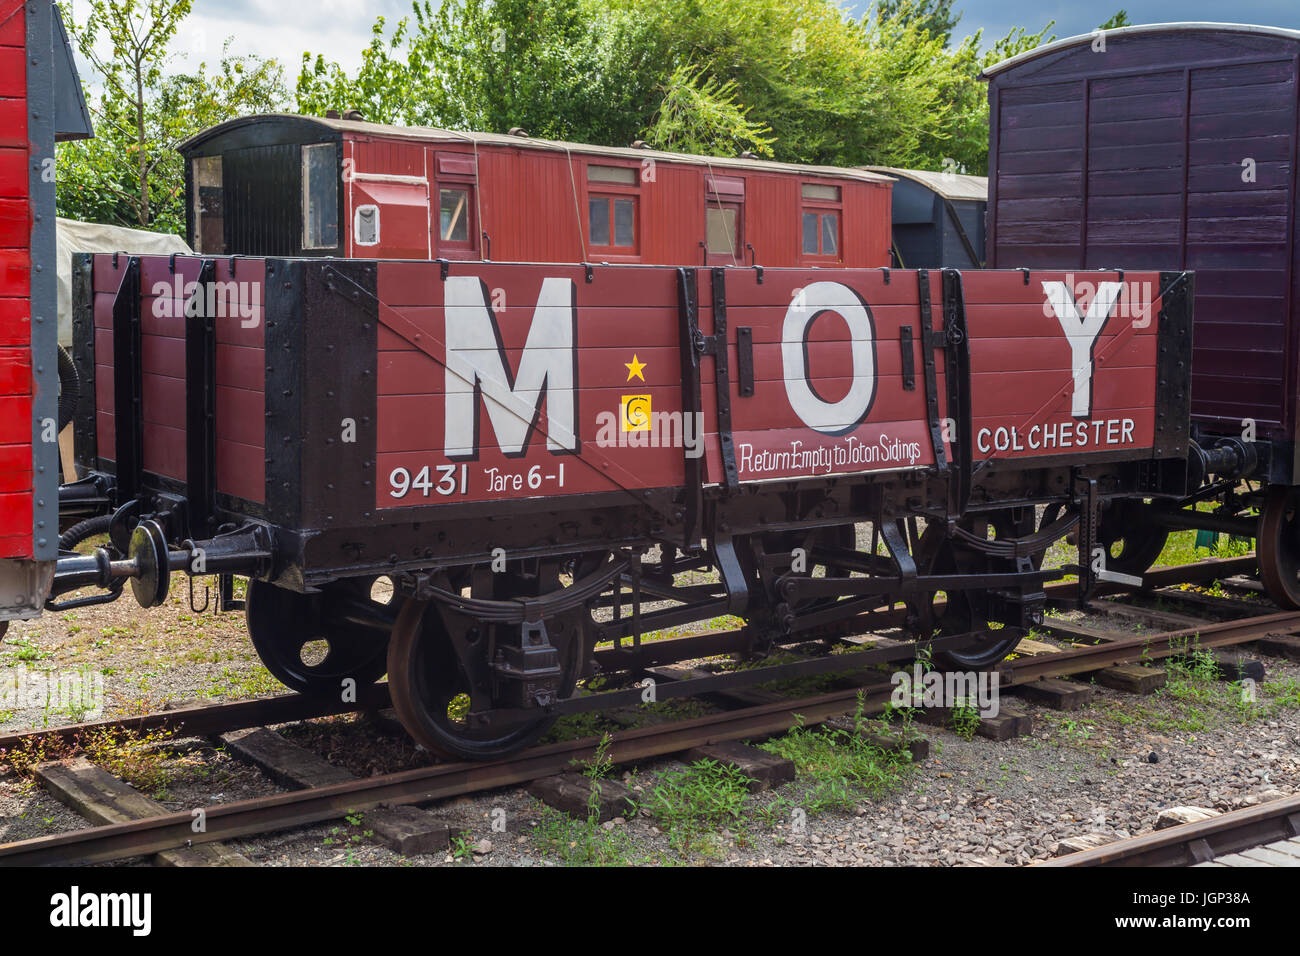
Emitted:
pixel 1198 842
pixel 1083 658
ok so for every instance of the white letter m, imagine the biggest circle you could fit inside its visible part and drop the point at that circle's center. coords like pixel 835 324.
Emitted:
pixel 477 362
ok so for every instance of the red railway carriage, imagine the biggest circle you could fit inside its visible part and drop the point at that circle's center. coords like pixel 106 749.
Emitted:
pixel 40 101
pixel 1174 146
pixel 308 186
pixel 532 453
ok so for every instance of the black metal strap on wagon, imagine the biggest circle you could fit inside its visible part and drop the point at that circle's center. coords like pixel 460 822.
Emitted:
pixel 957 376
pixel 716 346
pixel 929 342
pixel 201 404
pixel 694 345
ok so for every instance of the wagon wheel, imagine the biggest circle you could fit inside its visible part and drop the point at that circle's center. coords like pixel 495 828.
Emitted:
pixel 433 693
pixel 288 629
pixel 1278 547
pixel 440 660
pixel 1131 539
pixel 967 611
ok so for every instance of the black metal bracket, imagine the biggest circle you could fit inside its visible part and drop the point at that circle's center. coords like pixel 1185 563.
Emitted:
pixel 909 360
pixel 930 340
pixel 902 555
pixel 201 405
pixel 957 377
pixel 128 385
pixel 1086 492
pixel 716 346
pixel 745 361
pixel 692 402
pixel 732 573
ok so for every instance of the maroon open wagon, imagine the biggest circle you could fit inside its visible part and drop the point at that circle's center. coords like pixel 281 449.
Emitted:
pixel 1174 146
pixel 532 454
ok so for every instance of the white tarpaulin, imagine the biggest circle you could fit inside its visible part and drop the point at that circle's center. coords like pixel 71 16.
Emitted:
pixel 76 236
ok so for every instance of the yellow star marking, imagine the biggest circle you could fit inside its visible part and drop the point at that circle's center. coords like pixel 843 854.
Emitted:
pixel 634 368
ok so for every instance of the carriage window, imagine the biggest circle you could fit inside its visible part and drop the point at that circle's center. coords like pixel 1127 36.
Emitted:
pixel 819 192
pixel 623 175
pixel 820 220
pixel 611 221
pixel 722 233
pixel 453 214
pixel 208 213
pixel 320 196
pixel 365 231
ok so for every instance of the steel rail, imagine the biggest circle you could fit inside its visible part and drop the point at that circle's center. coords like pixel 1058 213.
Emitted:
pixel 213 718
pixel 1198 842
pixel 1090 657
pixel 283 811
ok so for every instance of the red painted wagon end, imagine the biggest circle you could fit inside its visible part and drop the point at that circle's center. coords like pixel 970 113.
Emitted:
pixel 40 102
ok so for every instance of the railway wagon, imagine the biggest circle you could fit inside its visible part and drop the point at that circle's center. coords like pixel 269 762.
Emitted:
pixel 40 102
pixel 938 218
pixel 532 456
pixel 282 185
pixel 1173 146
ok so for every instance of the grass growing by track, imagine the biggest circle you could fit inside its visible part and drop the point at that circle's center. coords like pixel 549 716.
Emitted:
pixel 144 760
pixel 1194 701
pixel 838 768
pixel 705 806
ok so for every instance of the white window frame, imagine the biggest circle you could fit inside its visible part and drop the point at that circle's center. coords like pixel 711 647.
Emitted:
pixel 356 224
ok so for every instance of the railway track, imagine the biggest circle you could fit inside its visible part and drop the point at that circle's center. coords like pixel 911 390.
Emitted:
pixel 170 831
pixel 1265 835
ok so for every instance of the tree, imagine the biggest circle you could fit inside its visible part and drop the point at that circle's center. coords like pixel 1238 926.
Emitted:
pixel 1118 20
pixel 568 69
pixel 799 80
pixel 138 32
pixel 130 173
pixel 699 114
pixel 933 16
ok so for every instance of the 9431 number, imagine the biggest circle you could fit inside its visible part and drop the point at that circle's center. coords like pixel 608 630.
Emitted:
pixel 450 480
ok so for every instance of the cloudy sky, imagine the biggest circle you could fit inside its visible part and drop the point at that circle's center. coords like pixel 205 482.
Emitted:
pixel 341 28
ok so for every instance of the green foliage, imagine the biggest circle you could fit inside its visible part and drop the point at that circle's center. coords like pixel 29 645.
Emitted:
pixel 798 80
pixel 699 114
pixel 933 16
pixel 564 69
pixel 837 767
pixel 1120 19
pixel 130 173
pixel 690 802
pixel 585 842
pixel 965 720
